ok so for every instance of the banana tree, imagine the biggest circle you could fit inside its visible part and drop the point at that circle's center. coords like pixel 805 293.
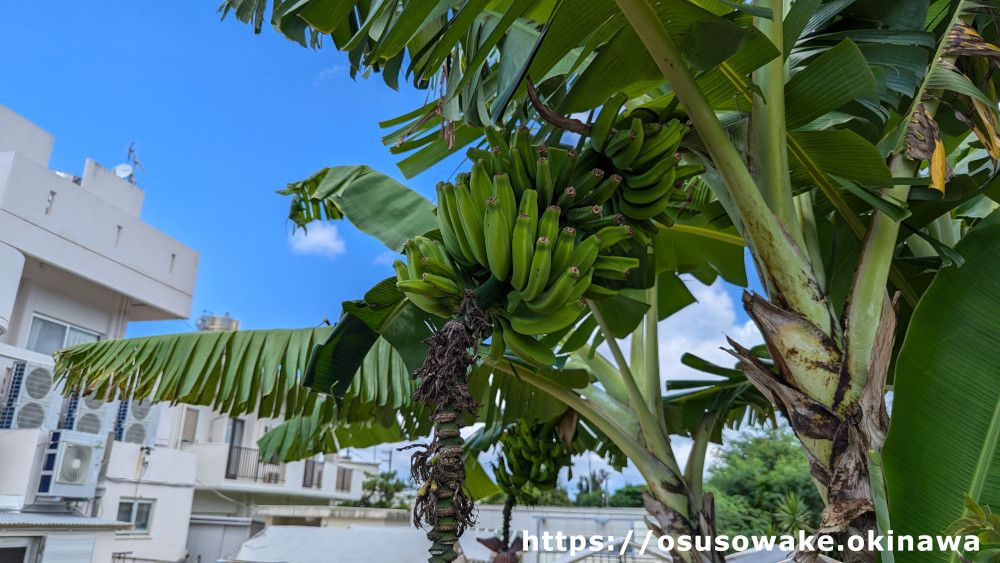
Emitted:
pixel 823 139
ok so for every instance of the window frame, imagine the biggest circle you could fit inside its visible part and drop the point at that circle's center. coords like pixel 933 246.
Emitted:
pixel 344 474
pixel 64 324
pixel 135 502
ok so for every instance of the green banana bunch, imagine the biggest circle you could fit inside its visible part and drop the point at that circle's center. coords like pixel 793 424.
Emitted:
pixel 532 456
pixel 428 277
pixel 645 155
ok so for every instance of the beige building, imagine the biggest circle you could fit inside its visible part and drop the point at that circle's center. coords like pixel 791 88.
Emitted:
pixel 89 481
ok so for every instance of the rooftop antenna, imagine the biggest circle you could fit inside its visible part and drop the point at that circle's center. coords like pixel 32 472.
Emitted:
pixel 133 160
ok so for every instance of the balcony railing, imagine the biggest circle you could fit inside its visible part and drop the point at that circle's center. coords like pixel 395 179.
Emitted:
pixel 245 464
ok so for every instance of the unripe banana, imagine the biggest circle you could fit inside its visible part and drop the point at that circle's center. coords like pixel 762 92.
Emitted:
pixel 522 251
pixel 685 171
pixel 495 138
pixel 652 175
pixel 649 194
pixel 602 222
pixel 541 261
pixel 581 285
pixel 618 141
pixel 565 200
pixel 562 252
pixel 647 211
pixel 604 192
pixel 438 268
pixel 508 201
pixel 559 319
pixel 442 283
pixel 472 223
pixel 498 240
pixel 451 242
pixel 422 287
pixel 528 348
pixel 543 180
pixel 529 207
pixel 582 214
pixel 611 236
pixel 587 183
pixel 662 145
pixel 556 297
pixel 568 169
pixel 548 225
pixel 414 260
pixel 606 118
pixel 455 223
pixel 585 253
pixel 518 174
pixel 401 271
pixel 481 187
pixel 623 158
pixel 526 151
pixel 498 160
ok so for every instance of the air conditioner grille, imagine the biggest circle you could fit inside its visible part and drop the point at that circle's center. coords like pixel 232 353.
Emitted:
pixel 94 403
pixel 38 383
pixel 31 415
pixel 74 464
pixel 136 434
pixel 140 410
pixel 90 423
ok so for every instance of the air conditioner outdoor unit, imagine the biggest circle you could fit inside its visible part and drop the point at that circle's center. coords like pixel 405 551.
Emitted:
pixel 136 422
pixel 71 465
pixel 31 399
pixel 90 415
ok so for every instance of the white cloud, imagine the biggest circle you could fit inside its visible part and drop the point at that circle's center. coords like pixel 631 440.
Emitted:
pixel 322 239
pixel 386 258
pixel 330 72
pixel 701 329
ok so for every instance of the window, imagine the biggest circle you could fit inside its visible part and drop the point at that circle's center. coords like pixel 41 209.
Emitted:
pixel 312 478
pixel 137 512
pixel 344 477
pixel 190 429
pixel 45 336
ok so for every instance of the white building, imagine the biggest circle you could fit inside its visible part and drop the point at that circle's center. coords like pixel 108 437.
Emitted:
pixel 83 480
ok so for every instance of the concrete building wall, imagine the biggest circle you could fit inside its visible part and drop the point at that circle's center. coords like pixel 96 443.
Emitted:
pixel 165 476
pixel 19 480
pixel 19 134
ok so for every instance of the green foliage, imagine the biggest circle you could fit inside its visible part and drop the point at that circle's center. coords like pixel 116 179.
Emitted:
pixel 755 475
pixel 949 400
pixel 381 491
pixel 556 496
pixel 629 496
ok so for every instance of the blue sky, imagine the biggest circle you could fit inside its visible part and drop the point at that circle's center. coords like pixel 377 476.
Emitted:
pixel 221 119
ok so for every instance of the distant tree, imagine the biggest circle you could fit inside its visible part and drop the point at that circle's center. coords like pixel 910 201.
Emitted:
pixel 629 496
pixel 381 491
pixel 754 477
pixel 592 489
pixel 557 496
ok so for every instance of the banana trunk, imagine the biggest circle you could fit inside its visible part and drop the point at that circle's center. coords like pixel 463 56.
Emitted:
pixel 836 414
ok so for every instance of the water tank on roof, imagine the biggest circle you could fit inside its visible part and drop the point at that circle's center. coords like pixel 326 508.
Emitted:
pixel 212 322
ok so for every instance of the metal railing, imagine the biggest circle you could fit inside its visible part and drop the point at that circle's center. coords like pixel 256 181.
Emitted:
pixel 245 464
pixel 312 476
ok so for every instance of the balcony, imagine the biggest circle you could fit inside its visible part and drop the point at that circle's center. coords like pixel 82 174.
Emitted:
pixel 241 469
pixel 246 464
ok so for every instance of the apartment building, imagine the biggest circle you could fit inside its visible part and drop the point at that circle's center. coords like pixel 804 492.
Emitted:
pixel 83 480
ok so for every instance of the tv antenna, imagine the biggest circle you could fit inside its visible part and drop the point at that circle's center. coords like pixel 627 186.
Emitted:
pixel 130 168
